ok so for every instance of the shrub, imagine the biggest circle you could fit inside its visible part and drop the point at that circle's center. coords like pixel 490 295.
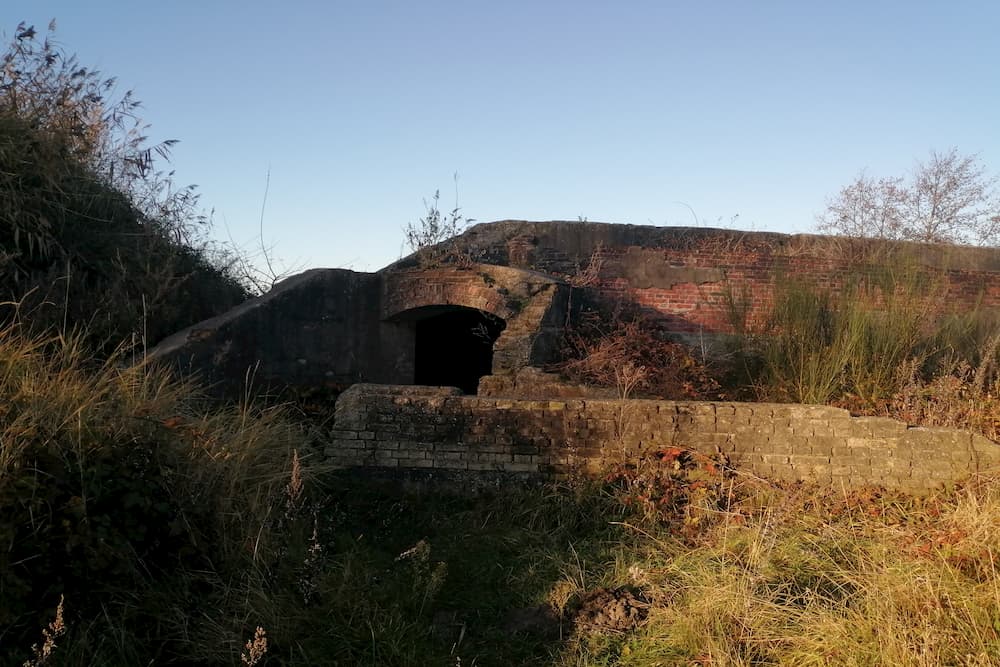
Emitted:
pixel 436 238
pixel 676 488
pixel 956 395
pixel 886 344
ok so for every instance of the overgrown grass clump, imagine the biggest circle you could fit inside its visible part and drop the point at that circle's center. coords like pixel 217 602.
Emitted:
pixel 885 342
pixel 124 496
pixel 784 576
pixel 803 577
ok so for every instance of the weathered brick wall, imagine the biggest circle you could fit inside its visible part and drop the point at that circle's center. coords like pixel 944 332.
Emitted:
pixel 696 289
pixel 532 305
pixel 437 428
pixel 689 277
pixel 333 327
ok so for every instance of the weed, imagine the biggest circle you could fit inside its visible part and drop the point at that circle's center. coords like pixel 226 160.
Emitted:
pixel 819 346
pixel 57 628
pixel 256 648
pixel 436 237
pixel 673 487
pixel 93 236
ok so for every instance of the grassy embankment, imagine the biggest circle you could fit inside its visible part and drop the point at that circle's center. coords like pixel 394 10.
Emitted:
pixel 170 531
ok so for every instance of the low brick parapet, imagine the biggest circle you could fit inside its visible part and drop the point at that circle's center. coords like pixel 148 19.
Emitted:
pixel 439 428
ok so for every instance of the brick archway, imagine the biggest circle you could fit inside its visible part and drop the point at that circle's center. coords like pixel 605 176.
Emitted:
pixel 530 306
pixel 412 290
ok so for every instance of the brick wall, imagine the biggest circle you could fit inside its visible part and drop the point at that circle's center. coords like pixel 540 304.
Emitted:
pixel 437 428
pixel 694 289
pixel 532 305
pixel 684 276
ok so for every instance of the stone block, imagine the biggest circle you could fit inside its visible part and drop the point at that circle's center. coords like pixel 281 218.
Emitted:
pixel 808 459
pixel 450 447
pixel 823 412
pixel 483 465
pixel 985 451
pixel 824 444
pixel 750 428
pixel 784 473
pixel 782 431
pixel 450 464
pixel 880 427
pixel 799 444
pixel 774 446
pixel 521 467
pixel 812 427
pixel 925 439
pixel 959 454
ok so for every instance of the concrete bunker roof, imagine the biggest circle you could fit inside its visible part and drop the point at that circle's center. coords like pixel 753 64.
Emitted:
pixel 488 242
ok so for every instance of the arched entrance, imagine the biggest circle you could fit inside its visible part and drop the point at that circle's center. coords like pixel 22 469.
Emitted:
pixel 454 346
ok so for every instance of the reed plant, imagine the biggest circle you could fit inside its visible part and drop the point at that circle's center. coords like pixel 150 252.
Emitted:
pixel 846 344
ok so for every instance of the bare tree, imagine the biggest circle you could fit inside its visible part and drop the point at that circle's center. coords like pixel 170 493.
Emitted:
pixel 868 207
pixel 950 198
pixel 953 199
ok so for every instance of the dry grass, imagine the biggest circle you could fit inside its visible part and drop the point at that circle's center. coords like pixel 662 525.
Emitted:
pixel 805 578
pixel 123 491
pixel 355 574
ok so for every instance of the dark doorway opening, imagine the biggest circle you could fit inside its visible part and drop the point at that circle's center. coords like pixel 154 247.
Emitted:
pixel 454 347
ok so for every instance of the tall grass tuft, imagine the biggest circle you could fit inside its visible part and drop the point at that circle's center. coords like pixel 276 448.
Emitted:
pixel 124 493
pixel 847 345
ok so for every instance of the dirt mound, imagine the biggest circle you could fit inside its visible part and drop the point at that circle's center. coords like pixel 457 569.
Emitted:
pixel 602 609
pixel 610 610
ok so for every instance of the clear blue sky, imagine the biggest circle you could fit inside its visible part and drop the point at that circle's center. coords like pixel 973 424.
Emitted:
pixel 617 111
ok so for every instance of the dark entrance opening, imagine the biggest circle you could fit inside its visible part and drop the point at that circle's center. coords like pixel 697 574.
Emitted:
pixel 454 347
